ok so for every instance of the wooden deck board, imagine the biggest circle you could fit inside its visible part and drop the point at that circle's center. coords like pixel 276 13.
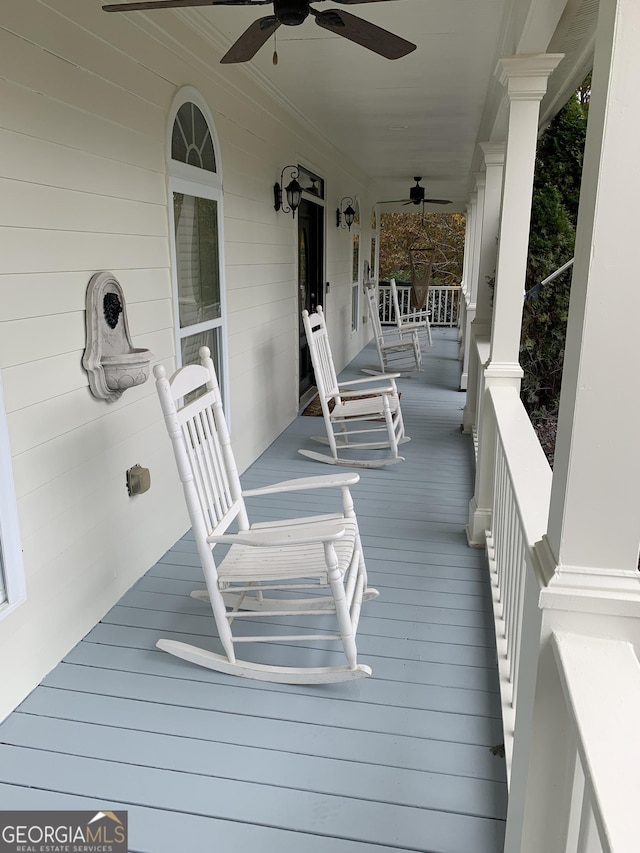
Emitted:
pixel 400 761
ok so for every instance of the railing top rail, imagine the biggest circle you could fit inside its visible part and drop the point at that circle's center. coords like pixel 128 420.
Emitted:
pixel 605 724
pixel 406 285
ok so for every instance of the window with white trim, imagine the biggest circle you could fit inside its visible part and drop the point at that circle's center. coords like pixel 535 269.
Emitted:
pixel 195 184
pixel 12 581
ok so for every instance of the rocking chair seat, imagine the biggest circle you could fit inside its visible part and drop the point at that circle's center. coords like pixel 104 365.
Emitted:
pixel 274 556
pixel 366 407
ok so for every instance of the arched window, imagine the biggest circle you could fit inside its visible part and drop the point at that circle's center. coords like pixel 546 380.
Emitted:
pixel 195 185
pixel 191 141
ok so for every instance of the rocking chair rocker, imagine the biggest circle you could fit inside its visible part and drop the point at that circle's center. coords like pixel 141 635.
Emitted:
pixel 372 404
pixel 401 353
pixel 316 554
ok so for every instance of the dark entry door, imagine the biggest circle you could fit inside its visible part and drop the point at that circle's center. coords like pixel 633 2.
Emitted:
pixel 310 278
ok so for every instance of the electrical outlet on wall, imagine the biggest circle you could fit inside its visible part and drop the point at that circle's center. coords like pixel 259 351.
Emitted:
pixel 138 480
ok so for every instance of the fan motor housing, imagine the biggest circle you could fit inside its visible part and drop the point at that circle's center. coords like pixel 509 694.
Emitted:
pixel 291 13
pixel 416 194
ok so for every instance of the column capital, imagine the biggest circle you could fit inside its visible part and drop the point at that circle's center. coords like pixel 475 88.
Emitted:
pixel 526 76
pixel 493 152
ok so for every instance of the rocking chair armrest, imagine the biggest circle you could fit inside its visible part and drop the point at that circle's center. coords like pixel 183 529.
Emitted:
pixel 325 531
pixel 390 388
pixel 412 322
pixel 378 390
pixel 364 379
pixel 323 481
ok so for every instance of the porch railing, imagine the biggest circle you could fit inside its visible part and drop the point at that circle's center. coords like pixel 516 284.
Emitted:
pixel 592 755
pixel 443 303
pixel 600 681
pixel 522 489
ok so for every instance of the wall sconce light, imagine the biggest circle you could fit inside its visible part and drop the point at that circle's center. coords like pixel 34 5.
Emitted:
pixel 293 191
pixel 348 212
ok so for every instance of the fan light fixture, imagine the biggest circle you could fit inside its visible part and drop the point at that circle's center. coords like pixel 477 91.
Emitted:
pixel 348 212
pixel 291 13
pixel 293 191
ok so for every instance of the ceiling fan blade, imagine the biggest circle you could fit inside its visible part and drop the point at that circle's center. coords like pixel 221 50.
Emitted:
pixel 350 2
pixel 251 40
pixel 363 33
pixel 177 4
pixel 438 201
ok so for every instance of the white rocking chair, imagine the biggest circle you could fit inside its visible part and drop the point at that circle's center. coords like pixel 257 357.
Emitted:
pixel 412 321
pixel 371 404
pixel 317 554
pixel 399 353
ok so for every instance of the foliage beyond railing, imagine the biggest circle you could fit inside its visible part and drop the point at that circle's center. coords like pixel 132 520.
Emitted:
pixel 443 303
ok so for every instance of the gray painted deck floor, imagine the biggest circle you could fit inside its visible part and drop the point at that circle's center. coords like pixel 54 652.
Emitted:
pixel 203 761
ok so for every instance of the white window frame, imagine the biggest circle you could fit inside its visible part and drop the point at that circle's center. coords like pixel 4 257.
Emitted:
pixel 10 544
pixel 201 183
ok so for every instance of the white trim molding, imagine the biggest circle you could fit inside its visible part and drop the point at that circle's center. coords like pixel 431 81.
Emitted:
pixel 12 565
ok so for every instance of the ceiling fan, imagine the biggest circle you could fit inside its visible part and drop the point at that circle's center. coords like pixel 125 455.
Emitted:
pixel 291 13
pixel 416 196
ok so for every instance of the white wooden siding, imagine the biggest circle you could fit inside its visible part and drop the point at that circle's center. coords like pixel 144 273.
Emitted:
pixel 83 187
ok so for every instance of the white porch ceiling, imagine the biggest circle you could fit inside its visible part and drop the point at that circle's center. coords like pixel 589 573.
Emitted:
pixel 422 114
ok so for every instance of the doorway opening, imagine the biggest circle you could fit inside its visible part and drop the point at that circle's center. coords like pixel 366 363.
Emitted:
pixel 310 284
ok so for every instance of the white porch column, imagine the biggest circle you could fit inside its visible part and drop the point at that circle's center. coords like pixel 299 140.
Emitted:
pixel 470 313
pixel 494 153
pixel 481 325
pixel 594 519
pixel 526 80
pixel 589 555
pixel 467 266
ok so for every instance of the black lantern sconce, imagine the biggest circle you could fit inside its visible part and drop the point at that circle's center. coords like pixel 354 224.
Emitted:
pixel 347 212
pixel 293 191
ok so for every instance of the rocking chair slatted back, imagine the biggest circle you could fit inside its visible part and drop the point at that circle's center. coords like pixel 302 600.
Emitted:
pixel 321 358
pixel 374 311
pixel 201 443
pixel 209 476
